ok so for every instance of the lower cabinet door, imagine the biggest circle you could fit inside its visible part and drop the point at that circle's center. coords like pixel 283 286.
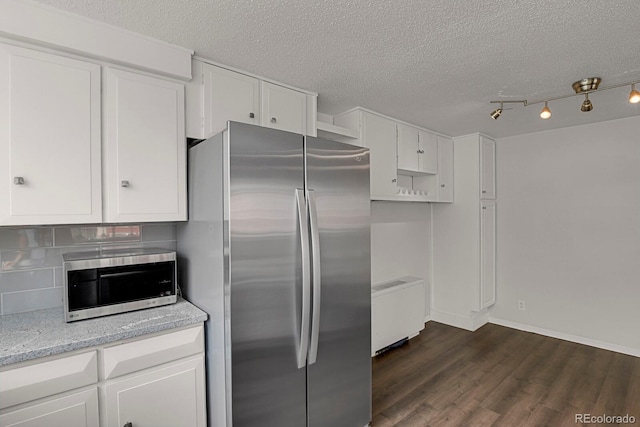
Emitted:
pixel 78 410
pixel 170 396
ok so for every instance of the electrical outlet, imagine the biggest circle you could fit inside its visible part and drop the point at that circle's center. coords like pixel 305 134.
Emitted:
pixel 521 305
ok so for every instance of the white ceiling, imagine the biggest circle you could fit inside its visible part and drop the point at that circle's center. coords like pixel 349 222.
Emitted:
pixel 434 63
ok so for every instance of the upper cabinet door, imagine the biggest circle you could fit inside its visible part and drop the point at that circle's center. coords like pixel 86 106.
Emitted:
pixel 408 149
pixel 49 139
pixel 145 149
pixel 445 169
pixel 487 168
pixel 428 152
pixel 284 108
pixel 379 135
pixel 229 96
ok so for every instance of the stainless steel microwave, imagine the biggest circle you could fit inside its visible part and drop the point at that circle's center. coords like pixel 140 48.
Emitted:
pixel 102 283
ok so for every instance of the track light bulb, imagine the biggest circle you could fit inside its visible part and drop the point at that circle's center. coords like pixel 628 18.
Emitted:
pixel 546 112
pixel 586 105
pixel 496 113
pixel 634 96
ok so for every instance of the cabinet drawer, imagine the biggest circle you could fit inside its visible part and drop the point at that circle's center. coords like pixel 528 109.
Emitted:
pixel 77 410
pixel 44 379
pixel 135 356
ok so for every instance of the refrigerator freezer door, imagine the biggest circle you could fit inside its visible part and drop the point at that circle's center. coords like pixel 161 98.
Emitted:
pixel 264 289
pixel 339 382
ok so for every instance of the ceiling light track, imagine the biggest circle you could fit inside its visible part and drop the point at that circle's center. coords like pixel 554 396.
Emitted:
pixel 581 88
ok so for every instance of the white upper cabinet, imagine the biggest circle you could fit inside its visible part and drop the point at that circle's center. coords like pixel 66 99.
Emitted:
pixel 228 96
pixel 145 148
pixel 217 95
pixel 487 168
pixel 408 149
pixel 417 151
pixel 49 140
pixel 428 155
pixel 379 134
pixel 407 163
pixel 487 288
pixel 283 108
pixel 445 170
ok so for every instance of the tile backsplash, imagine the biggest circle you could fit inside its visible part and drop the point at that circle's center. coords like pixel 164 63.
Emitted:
pixel 31 257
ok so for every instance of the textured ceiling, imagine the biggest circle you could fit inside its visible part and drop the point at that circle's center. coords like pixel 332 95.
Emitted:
pixel 435 63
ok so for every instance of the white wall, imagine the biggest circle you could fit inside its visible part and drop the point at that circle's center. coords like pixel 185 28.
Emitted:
pixel 400 242
pixel 569 231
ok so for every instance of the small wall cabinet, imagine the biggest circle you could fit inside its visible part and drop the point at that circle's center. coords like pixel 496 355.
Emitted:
pixel 145 149
pixel 227 95
pixel 417 151
pixel 407 163
pixel 283 108
pixel 217 94
pixel 50 140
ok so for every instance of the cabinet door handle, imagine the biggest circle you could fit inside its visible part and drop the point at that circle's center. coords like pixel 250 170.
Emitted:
pixel 393 180
pixel 124 183
pixel 442 185
pixel 484 191
pixel 484 208
pixel 251 115
pixel 18 180
pixel 420 151
pixel 273 120
pixel 127 424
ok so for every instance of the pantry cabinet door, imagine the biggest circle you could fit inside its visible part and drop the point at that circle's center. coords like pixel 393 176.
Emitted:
pixel 487 254
pixel 145 149
pixel 49 139
pixel 487 168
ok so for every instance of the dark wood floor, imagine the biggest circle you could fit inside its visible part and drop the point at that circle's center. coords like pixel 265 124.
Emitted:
pixel 498 376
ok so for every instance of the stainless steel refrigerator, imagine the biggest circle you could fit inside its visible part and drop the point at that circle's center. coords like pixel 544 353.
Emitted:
pixel 277 252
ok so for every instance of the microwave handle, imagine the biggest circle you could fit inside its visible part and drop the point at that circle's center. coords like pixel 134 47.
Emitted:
pixel 127 273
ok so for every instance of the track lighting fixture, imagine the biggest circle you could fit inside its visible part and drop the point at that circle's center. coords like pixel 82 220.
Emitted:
pixel 581 87
pixel 586 105
pixel 546 112
pixel 634 96
pixel 496 113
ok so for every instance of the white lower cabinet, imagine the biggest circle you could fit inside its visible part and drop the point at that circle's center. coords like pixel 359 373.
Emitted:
pixel 77 410
pixel 151 381
pixel 169 396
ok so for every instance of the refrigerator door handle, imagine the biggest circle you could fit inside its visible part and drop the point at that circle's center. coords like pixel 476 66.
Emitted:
pixel 317 278
pixel 306 278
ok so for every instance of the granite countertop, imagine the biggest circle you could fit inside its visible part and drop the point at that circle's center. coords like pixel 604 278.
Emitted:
pixel 27 336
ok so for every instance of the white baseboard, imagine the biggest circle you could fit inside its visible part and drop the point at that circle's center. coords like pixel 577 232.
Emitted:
pixel 567 337
pixel 458 321
pixel 427 319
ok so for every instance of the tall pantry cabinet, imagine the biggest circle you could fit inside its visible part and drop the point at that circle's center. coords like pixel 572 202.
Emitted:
pixel 464 235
